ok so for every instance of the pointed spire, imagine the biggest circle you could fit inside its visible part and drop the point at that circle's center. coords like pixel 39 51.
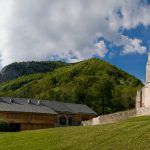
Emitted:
pixel 148 69
pixel 148 57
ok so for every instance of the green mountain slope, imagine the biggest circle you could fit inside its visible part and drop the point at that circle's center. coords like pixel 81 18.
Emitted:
pixel 16 70
pixel 94 82
pixel 131 134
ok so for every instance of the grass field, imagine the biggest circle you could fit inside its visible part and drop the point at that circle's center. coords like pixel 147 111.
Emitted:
pixel 131 134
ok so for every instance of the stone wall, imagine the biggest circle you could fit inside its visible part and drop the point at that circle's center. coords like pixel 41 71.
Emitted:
pixel 110 118
pixel 142 111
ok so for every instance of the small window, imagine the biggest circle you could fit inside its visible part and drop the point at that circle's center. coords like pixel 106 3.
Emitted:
pixel 62 121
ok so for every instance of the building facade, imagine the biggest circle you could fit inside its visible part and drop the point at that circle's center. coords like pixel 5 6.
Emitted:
pixel 27 114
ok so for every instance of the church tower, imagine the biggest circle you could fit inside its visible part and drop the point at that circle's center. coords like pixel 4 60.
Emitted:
pixel 148 70
pixel 143 95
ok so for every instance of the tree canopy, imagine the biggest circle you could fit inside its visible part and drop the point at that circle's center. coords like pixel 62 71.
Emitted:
pixel 93 82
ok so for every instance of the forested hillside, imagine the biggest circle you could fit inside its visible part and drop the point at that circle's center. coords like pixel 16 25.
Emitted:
pixel 16 70
pixel 100 85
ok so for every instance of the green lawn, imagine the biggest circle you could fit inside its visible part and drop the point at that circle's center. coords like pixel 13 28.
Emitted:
pixel 132 134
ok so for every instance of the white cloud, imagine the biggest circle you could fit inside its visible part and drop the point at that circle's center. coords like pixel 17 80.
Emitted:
pixel 44 29
pixel 101 48
pixel 134 46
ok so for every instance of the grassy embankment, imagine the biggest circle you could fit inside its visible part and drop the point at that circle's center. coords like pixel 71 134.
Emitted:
pixel 129 134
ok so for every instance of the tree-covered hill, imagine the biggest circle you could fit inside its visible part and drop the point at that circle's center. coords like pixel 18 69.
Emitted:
pixel 16 70
pixel 100 85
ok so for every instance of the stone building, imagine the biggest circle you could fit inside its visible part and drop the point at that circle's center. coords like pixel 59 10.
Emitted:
pixel 26 114
pixel 143 95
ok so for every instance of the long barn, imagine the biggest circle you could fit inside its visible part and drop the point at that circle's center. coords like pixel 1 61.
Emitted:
pixel 27 114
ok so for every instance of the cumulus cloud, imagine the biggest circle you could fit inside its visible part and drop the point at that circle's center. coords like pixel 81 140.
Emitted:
pixel 101 48
pixel 134 46
pixel 67 29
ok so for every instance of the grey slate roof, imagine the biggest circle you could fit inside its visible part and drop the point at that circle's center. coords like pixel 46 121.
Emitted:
pixel 22 105
pixel 57 106
pixel 68 107
pixel 45 106
pixel 80 108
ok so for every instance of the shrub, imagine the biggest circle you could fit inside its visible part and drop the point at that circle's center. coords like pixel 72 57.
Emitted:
pixel 4 126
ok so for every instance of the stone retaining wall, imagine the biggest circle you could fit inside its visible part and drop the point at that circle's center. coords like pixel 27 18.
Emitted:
pixel 142 111
pixel 110 118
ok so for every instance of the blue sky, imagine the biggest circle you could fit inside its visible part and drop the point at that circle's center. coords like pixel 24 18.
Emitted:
pixel 135 64
pixel 74 30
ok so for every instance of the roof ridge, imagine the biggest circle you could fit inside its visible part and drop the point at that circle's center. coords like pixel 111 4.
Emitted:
pixel 44 105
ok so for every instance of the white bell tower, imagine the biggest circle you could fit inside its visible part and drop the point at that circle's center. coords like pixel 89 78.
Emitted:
pixel 146 91
pixel 148 70
pixel 143 95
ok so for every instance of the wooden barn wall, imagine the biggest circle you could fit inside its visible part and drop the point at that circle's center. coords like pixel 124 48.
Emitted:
pixel 83 117
pixel 29 120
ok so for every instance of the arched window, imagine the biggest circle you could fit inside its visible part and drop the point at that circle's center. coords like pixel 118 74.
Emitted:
pixel 70 122
pixel 62 121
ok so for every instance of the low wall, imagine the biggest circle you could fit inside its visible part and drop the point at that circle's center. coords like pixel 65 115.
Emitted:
pixel 110 118
pixel 142 111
